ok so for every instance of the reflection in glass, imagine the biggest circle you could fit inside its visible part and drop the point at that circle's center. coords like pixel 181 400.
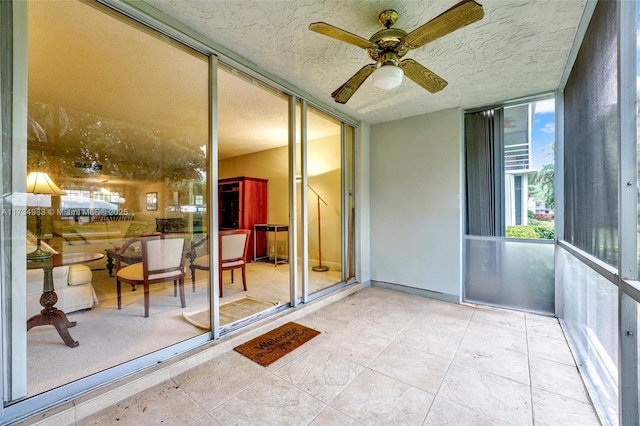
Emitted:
pixel 253 188
pixel 324 199
pixel 118 117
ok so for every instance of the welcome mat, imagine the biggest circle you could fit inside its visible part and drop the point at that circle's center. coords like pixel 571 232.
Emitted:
pixel 275 344
pixel 230 312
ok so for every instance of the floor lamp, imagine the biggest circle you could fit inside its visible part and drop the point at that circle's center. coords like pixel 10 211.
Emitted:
pixel 320 267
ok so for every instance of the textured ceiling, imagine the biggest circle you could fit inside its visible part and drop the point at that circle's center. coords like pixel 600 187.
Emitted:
pixel 520 48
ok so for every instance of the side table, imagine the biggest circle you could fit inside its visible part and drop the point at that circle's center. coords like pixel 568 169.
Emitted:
pixel 51 315
pixel 268 227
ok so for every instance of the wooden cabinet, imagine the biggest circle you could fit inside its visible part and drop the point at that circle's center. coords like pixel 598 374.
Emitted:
pixel 242 202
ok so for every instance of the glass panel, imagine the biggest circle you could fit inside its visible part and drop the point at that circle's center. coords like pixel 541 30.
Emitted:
pixel 591 318
pixel 510 274
pixel 529 139
pixel 591 141
pixel 118 119
pixel 324 198
pixel 253 129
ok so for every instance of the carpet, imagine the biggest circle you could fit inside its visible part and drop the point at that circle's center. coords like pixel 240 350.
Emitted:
pixel 230 312
pixel 275 344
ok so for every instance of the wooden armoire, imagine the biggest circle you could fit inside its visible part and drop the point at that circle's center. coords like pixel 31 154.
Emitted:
pixel 242 202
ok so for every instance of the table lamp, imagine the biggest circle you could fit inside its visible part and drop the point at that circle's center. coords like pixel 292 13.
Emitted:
pixel 39 184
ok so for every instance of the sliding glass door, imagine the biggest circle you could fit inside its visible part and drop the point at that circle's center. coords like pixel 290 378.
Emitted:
pixel 253 191
pixel 118 120
pixel 139 137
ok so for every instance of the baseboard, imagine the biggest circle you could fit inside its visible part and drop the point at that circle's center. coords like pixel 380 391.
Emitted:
pixel 417 291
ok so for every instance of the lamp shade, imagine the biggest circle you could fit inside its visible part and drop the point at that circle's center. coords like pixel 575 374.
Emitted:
pixel 41 183
pixel 387 77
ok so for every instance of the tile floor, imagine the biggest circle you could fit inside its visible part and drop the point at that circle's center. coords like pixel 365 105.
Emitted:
pixel 384 358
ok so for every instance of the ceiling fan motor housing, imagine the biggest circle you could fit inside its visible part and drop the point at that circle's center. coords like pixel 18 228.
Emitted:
pixel 387 41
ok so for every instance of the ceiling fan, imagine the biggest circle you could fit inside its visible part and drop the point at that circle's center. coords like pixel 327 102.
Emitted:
pixel 387 46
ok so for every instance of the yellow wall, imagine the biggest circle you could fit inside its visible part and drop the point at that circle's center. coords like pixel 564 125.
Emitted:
pixel 324 177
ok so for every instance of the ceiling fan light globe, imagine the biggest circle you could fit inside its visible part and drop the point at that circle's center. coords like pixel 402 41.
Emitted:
pixel 387 77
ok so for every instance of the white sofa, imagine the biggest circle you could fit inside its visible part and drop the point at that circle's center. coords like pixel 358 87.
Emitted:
pixel 72 285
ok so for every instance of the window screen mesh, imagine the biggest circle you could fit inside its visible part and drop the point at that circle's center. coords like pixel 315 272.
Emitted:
pixel 591 141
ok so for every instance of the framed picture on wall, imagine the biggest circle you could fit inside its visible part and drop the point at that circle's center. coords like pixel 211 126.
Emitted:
pixel 152 201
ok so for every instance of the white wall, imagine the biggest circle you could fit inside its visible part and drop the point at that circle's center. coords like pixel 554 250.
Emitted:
pixel 416 202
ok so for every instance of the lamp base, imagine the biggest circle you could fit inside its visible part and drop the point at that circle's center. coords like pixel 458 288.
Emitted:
pixel 39 255
pixel 320 268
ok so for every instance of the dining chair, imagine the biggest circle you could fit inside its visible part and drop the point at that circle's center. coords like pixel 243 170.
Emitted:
pixel 232 245
pixel 163 260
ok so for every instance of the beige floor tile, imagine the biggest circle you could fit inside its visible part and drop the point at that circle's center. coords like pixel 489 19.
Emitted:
pixel 550 348
pixel 445 314
pixel 485 356
pixel 272 400
pixel 163 404
pixel 332 417
pixel 479 335
pixel 558 378
pixel 421 370
pixel 436 339
pixel 205 421
pixel 451 310
pixel 389 323
pixel 215 382
pixel 488 394
pixel 543 326
pixel 291 356
pixel 357 345
pixel 376 399
pixel 321 373
pixel 511 320
pixel 447 413
pixel 550 409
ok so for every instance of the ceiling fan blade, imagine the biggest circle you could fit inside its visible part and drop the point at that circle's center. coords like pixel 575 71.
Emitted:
pixel 422 76
pixel 343 93
pixel 340 34
pixel 460 15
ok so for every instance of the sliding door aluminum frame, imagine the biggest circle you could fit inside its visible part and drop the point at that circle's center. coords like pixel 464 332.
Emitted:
pixel 559 197
pixel 304 205
pixel 627 217
pixel 510 103
pixel 293 201
pixel 6 79
pixel 213 289
pixel 344 196
pixel 13 89
pixel 625 277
